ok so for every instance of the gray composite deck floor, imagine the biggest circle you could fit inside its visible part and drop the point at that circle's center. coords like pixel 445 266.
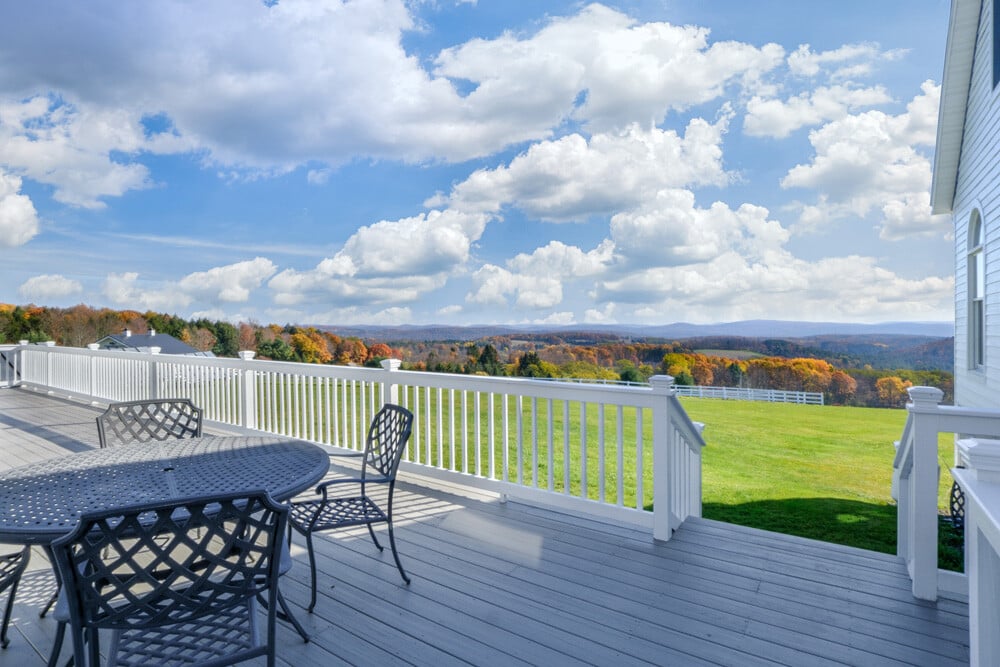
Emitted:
pixel 512 584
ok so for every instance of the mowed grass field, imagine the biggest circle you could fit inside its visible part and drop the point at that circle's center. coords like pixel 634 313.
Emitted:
pixel 823 472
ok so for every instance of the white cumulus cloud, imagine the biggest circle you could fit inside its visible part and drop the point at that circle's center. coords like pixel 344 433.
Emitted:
pixel 49 287
pixel 18 217
pixel 228 284
pixel 848 61
pixel 125 290
pixel 572 178
pixel 536 280
pixel 872 162
pixel 779 118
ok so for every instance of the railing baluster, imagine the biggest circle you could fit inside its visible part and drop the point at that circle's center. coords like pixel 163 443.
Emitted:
pixel 491 436
pixel 620 452
pixel 534 441
pixel 566 447
pixel 550 456
pixel 452 465
pixel 640 491
pixel 601 462
pixel 584 485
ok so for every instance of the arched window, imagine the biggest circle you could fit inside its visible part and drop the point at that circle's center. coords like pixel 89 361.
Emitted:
pixel 977 293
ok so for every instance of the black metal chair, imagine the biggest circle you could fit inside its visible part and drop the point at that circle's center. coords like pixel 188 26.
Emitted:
pixel 151 420
pixel 384 446
pixel 956 503
pixel 157 420
pixel 188 600
pixel 148 420
pixel 12 566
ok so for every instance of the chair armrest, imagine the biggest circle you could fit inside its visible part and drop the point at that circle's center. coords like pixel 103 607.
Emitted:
pixel 351 480
pixel 322 488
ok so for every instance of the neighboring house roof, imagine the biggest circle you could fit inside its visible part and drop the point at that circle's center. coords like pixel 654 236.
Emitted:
pixel 963 28
pixel 145 342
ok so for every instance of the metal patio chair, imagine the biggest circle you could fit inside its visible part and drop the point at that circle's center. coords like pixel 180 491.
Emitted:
pixel 12 566
pixel 148 420
pixel 151 420
pixel 384 446
pixel 157 420
pixel 191 599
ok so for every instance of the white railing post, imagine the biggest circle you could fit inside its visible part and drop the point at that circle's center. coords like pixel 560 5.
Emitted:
pixel 662 473
pixel 923 492
pixel 93 347
pixel 979 477
pixel 389 387
pixel 154 376
pixel 48 367
pixel 248 391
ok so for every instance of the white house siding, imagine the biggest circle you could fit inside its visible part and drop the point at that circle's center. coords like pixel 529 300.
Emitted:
pixel 979 187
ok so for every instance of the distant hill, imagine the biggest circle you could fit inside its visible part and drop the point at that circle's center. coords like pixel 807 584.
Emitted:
pixel 845 350
pixel 676 331
pixel 916 346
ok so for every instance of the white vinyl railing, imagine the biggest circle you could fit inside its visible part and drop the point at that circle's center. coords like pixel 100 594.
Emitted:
pixel 611 450
pixel 750 394
pixel 915 479
pixel 10 374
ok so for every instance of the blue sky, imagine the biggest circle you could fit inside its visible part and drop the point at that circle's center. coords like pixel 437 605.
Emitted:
pixel 475 162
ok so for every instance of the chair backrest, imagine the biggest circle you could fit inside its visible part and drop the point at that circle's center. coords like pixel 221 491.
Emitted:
pixel 147 566
pixel 148 420
pixel 387 437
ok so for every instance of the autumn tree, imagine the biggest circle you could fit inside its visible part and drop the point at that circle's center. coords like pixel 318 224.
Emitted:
pixel 351 351
pixel 202 339
pixel 247 336
pixel 701 371
pixel 842 388
pixel 891 391
pixel 377 352
pixel 310 347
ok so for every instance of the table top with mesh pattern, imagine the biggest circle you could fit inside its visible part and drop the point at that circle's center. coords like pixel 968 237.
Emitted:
pixel 43 501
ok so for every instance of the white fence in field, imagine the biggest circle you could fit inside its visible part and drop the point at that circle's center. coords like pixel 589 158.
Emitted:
pixel 747 394
pixel 611 450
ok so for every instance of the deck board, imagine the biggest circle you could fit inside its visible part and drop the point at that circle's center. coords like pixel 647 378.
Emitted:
pixel 513 584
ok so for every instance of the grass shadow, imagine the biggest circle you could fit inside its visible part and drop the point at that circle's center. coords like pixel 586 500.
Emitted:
pixel 869 526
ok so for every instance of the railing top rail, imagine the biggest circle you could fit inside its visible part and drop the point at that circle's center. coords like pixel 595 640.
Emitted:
pixel 691 430
pixel 640 396
pixel 643 396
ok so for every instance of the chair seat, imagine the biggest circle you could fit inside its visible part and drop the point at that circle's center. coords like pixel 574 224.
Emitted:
pixel 335 513
pixel 233 630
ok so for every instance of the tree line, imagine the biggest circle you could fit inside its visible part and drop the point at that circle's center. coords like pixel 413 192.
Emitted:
pixel 547 357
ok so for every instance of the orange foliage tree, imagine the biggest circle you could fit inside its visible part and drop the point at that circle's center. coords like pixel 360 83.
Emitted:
pixel 892 391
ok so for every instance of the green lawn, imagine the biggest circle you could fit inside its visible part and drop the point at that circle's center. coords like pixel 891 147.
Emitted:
pixel 823 472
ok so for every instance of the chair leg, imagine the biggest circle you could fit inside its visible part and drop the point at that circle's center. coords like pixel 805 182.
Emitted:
pixel 374 539
pixel 287 615
pixel 4 640
pixel 57 644
pixel 55 596
pixel 395 555
pixel 22 563
pixel 312 571
pixel 52 601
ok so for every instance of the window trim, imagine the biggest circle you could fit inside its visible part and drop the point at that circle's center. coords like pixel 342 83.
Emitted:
pixel 976 292
pixel 996 43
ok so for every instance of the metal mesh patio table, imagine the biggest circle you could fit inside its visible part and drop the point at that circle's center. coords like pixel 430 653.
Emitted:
pixel 43 501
